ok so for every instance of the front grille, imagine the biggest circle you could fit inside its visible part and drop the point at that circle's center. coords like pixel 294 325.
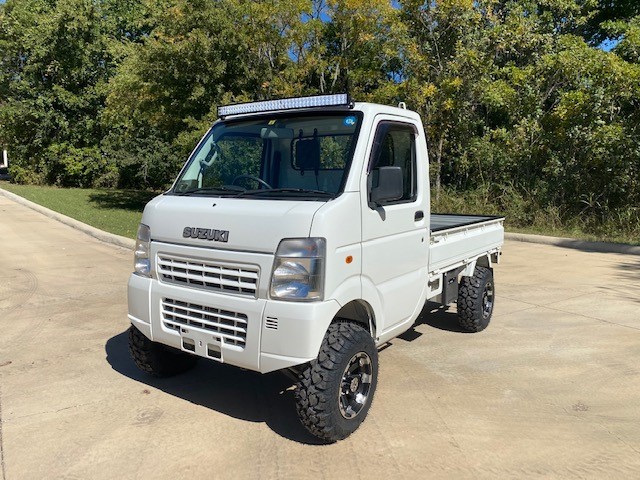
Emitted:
pixel 231 327
pixel 208 275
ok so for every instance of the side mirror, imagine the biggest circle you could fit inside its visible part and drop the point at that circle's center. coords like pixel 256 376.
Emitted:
pixel 389 188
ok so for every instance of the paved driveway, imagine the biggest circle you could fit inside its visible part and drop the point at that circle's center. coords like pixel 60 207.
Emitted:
pixel 550 389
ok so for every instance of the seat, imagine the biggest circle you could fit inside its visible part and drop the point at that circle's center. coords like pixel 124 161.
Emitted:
pixel 308 155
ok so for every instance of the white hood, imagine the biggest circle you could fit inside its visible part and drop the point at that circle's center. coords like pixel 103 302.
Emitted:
pixel 252 225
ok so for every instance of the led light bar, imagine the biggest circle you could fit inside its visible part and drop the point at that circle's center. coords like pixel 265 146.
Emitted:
pixel 339 99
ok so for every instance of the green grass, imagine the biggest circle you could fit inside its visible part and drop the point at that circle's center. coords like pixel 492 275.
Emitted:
pixel 114 211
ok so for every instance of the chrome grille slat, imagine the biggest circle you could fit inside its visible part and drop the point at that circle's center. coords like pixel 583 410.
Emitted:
pixel 230 326
pixel 188 319
pixel 208 275
pixel 218 270
pixel 221 281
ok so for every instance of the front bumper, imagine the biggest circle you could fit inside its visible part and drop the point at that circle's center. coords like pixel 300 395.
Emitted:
pixel 278 334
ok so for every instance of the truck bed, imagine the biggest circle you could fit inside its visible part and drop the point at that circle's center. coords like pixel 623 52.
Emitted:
pixel 456 240
pixel 440 221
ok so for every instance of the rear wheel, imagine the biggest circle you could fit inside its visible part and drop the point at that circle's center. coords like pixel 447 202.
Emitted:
pixel 157 359
pixel 335 391
pixel 476 297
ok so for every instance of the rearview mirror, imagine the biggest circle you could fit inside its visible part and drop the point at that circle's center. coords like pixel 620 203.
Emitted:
pixel 276 133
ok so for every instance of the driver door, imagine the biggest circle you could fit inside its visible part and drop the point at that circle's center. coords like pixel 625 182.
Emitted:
pixel 395 238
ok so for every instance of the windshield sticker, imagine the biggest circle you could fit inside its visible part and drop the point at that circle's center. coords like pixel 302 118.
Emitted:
pixel 349 121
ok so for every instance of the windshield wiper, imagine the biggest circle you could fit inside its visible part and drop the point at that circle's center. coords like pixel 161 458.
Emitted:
pixel 287 192
pixel 217 190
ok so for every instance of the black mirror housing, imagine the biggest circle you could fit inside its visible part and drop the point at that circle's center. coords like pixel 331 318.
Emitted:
pixel 390 186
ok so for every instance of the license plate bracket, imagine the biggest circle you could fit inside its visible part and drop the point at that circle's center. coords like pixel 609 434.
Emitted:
pixel 202 344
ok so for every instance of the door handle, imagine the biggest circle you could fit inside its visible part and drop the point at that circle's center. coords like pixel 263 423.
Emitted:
pixel 418 216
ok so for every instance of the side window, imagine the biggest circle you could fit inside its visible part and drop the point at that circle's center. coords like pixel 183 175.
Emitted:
pixel 395 145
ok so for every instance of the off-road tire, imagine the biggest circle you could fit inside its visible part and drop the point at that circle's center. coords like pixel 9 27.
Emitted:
pixel 318 392
pixel 476 298
pixel 156 359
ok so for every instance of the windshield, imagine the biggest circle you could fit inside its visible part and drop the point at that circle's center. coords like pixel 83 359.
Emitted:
pixel 283 156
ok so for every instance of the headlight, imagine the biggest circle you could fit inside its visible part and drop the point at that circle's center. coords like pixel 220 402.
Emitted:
pixel 298 270
pixel 142 264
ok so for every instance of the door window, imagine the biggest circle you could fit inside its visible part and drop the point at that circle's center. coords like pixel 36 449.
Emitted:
pixel 395 145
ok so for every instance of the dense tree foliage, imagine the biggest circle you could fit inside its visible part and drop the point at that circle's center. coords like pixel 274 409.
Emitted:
pixel 533 103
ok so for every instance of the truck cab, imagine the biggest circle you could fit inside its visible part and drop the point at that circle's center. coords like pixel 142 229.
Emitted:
pixel 298 236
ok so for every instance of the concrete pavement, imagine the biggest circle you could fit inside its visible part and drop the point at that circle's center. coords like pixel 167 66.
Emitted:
pixel 549 390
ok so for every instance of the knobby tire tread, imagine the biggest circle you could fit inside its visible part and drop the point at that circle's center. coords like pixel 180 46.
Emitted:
pixel 156 359
pixel 316 399
pixel 470 300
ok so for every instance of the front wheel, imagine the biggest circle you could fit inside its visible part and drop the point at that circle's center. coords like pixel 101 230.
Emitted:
pixel 476 297
pixel 335 391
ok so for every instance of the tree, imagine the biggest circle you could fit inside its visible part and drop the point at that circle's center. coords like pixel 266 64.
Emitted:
pixel 605 14
pixel 54 67
pixel 351 44
pixel 516 95
pixel 446 58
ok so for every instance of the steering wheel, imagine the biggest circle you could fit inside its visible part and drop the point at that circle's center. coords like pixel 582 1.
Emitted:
pixel 251 177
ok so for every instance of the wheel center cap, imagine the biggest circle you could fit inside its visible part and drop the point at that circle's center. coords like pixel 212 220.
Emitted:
pixel 354 385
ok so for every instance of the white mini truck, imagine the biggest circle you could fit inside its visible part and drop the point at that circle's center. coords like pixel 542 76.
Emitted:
pixel 298 236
